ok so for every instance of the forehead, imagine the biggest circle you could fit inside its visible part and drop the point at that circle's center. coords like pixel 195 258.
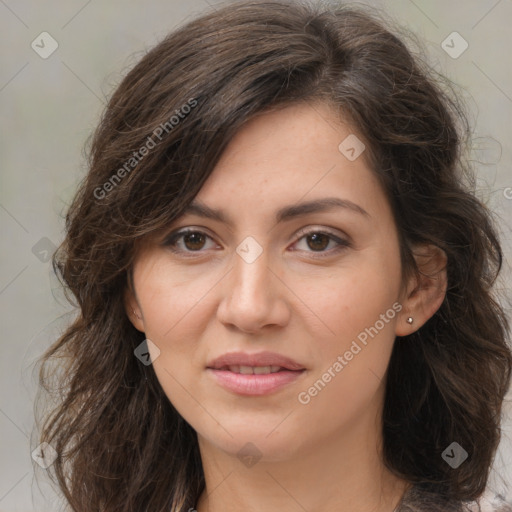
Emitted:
pixel 292 155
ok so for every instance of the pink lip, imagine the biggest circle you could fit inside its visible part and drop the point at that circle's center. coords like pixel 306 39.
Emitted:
pixel 257 359
pixel 254 385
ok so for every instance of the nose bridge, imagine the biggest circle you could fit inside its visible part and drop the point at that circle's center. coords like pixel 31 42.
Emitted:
pixel 252 295
pixel 252 275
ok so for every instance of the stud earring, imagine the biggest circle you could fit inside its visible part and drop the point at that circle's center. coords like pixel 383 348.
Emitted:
pixel 410 320
pixel 134 312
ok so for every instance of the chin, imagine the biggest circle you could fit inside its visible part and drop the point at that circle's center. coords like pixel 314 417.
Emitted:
pixel 256 442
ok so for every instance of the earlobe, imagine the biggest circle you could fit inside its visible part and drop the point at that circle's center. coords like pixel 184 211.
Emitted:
pixel 425 292
pixel 132 310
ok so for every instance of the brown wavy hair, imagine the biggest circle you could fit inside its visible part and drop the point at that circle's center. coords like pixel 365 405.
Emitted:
pixel 121 444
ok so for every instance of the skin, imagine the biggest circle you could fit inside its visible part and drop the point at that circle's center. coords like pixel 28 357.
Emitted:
pixel 326 454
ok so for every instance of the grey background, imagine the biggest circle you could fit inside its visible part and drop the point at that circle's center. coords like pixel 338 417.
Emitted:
pixel 50 106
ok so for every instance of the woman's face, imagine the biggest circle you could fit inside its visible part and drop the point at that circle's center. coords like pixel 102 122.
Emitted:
pixel 280 274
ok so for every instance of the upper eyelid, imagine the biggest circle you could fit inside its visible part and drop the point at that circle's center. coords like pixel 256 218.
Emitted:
pixel 301 233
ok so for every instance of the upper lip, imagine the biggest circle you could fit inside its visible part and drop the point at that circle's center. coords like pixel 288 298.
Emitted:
pixel 258 359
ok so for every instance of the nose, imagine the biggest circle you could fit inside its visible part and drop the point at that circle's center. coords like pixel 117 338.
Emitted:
pixel 254 296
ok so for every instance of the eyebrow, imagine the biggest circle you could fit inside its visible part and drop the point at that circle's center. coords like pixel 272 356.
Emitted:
pixel 283 214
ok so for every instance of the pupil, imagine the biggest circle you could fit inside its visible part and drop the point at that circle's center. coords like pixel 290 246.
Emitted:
pixel 193 245
pixel 316 237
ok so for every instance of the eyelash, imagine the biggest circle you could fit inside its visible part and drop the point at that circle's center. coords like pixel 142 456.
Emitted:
pixel 170 242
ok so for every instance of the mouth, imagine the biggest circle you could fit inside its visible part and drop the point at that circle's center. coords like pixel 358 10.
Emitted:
pixel 254 380
pixel 251 370
pixel 254 374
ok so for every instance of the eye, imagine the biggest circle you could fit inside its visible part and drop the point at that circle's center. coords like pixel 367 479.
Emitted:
pixel 193 240
pixel 318 240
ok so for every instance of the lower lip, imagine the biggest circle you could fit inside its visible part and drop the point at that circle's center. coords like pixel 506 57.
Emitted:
pixel 254 385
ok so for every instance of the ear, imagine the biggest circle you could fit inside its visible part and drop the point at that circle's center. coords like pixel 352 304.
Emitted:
pixel 132 309
pixel 424 294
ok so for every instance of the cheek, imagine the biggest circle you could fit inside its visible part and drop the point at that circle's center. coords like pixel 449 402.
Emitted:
pixel 351 363
pixel 352 298
pixel 176 310
pixel 174 303
pixel 175 317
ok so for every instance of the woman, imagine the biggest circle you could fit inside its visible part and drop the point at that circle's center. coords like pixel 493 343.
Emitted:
pixel 284 282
